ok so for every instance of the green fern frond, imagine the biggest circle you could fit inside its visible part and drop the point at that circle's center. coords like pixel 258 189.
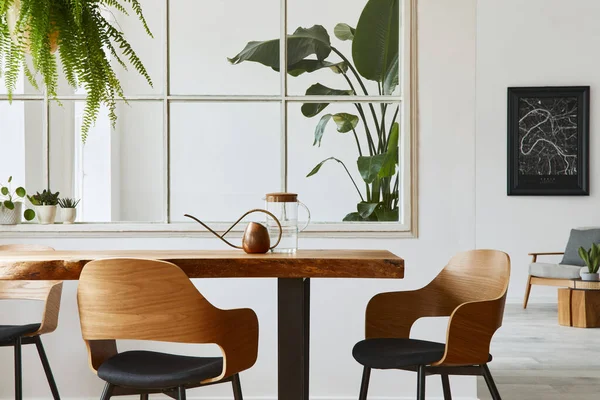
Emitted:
pixel 88 43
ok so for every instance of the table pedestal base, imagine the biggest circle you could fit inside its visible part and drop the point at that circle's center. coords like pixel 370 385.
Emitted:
pixel 579 308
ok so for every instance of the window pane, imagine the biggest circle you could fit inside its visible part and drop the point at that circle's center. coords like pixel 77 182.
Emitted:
pixel 205 33
pixel 224 158
pixel 301 14
pixel 149 50
pixel 119 173
pixel 21 135
pixel 331 193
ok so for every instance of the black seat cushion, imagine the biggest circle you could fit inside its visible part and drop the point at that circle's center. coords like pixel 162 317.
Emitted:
pixel 151 370
pixel 397 353
pixel 11 332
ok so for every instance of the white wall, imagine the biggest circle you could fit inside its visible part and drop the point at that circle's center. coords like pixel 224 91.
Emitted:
pixel 447 220
pixel 531 43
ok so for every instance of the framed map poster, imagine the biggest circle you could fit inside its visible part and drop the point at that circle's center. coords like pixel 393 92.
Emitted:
pixel 548 141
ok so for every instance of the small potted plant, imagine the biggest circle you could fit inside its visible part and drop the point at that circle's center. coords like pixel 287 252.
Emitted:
pixel 45 206
pixel 591 258
pixel 11 205
pixel 68 209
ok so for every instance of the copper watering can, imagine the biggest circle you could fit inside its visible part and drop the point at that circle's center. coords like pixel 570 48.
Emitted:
pixel 256 236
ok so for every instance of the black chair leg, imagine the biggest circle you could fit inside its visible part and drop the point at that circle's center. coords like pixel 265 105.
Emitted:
pixel 421 382
pixel 18 370
pixel 144 396
pixel 446 386
pixel 364 386
pixel 46 365
pixel 490 382
pixel 237 387
pixel 107 392
pixel 181 393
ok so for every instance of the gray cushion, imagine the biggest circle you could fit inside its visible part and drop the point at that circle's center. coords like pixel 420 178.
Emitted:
pixel 556 271
pixel 579 238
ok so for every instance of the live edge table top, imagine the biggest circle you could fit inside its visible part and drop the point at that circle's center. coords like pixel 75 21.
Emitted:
pixel 67 265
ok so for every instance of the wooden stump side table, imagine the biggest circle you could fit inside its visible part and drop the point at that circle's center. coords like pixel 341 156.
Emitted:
pixel 579 305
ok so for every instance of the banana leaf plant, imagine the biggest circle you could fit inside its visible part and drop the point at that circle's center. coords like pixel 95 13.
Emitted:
pixel 375 57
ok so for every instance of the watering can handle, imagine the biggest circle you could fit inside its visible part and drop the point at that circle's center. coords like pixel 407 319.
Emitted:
pixel 308 212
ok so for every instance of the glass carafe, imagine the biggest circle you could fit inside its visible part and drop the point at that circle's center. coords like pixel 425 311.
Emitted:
pixel 285 207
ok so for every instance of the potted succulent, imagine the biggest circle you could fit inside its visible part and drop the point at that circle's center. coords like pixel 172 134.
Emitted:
pixel 11 204
pixel 591 258
pixel 45 206
pixel 81 34
pixel 68 209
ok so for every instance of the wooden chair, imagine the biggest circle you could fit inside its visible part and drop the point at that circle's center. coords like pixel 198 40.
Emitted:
pixel 471 290
pixel 18 335
pixel 154 300
pixel 532 279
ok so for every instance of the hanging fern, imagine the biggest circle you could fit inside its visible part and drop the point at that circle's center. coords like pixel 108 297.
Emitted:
pixel 87 42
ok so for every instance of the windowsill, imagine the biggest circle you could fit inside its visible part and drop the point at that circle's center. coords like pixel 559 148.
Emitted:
pixel 182 230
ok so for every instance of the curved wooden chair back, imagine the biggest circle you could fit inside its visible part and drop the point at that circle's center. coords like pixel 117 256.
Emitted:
pixel 155 300
pixel 47 291
pixel 471 290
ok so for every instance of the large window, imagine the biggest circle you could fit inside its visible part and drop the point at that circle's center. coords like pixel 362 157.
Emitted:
pixel 211 138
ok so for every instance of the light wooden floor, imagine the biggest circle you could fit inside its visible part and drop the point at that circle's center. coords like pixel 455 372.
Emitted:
pixel 535 358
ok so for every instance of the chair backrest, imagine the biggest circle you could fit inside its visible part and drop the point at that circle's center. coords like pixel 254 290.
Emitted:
pixel 471 289
pixel 155 300
pixel 143 300
pixel 48 291
pixel 473 276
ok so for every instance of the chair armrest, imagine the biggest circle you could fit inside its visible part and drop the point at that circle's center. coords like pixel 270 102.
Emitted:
pixel 392 314
pixel 51 310
pixel 238 341
pixel 470 331
pixel 534 255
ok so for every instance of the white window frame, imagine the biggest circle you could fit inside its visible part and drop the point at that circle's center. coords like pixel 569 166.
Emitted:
pixel 408 167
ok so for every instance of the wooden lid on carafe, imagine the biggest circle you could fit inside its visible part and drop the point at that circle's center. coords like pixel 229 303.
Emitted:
pixel 282 197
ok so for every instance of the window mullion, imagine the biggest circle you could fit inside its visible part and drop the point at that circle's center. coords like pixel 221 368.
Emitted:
pixel 283 93
pixel 166 118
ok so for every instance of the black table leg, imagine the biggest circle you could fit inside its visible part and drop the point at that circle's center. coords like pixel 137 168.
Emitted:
pixel 293 330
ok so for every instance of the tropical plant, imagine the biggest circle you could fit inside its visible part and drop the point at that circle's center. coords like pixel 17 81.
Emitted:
pixel 375 48
pixel 86 42
pixel 68 202
pixel 8 198
pixel 591 258
pixel 46 198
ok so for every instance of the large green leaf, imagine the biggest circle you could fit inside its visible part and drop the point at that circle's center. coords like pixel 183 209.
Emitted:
pixel 345 122
pixel 386 215
pixel 319 165
pixel 20 191
pixel 390 80
pixel 307 65
pixel 320 129
pixel 9 204
pixel 301 44
pixel 369 167
pixel 353 217
pixel 391 156
pixel 366 209
pixel 344 32
pixel 376 40
pixel 312 109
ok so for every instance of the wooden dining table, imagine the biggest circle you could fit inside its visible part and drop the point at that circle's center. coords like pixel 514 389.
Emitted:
pixel 293 273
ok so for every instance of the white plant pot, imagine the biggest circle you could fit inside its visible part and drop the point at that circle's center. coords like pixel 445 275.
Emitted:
pixel 10 217
pixel 586 276
pixel 45 214
pixel 68 215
